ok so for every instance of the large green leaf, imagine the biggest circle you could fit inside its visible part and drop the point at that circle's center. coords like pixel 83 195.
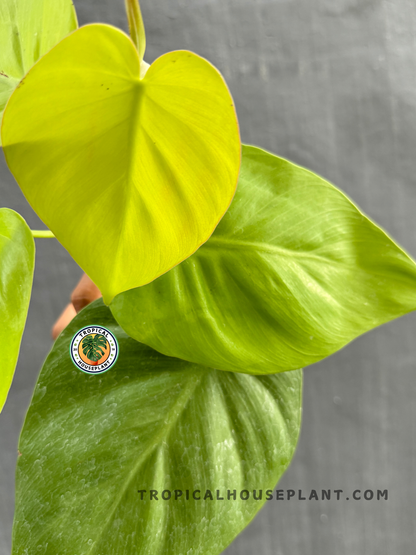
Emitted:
pixel 147 165
pixel 293 273
pixel 28 29
pixel 17 261
pixel 90 442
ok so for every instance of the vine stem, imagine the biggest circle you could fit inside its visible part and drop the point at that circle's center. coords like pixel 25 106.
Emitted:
pixel 42 234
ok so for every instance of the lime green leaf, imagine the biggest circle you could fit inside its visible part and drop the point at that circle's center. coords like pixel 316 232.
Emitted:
pixel 136 26
pixel 28 29
pixel 149 166
pixel 17 261
pixel 292 274
pixel 91 442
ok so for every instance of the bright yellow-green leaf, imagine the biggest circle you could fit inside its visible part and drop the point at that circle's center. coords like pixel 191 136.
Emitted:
pixel 293 273
pixel 28 29
pixel 17 261
pixel 132 175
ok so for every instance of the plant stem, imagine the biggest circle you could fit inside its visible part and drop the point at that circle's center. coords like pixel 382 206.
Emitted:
pixel 42 234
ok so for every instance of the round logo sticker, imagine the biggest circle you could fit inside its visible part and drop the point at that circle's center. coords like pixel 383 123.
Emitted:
pixel 94 349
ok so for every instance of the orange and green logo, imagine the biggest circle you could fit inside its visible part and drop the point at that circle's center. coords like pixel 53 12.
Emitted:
pixel 94 349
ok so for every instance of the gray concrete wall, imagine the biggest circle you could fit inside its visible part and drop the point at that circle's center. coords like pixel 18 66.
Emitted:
pixel 331 85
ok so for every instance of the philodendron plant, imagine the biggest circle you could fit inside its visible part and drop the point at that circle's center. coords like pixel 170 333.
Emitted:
pixel 227 269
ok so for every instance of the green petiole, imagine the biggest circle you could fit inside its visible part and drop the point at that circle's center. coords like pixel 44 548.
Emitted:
pixel 42 234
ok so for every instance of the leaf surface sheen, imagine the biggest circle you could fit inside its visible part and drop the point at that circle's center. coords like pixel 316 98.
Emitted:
pixel 89 443
pixel 293 273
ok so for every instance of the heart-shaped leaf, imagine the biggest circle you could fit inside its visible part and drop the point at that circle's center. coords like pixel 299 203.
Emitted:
pixel 145 166
pixel 292 274
pixel 28 29
pixel 17 262
pixel 91 442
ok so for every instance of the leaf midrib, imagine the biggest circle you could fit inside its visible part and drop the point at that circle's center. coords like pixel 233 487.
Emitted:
pixel 133 138
pixel 178 408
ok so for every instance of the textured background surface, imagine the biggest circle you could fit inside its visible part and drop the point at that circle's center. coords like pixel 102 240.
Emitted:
pixel 329 84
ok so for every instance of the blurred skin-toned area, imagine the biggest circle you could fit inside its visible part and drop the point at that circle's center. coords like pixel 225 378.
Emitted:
pixel 84 293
